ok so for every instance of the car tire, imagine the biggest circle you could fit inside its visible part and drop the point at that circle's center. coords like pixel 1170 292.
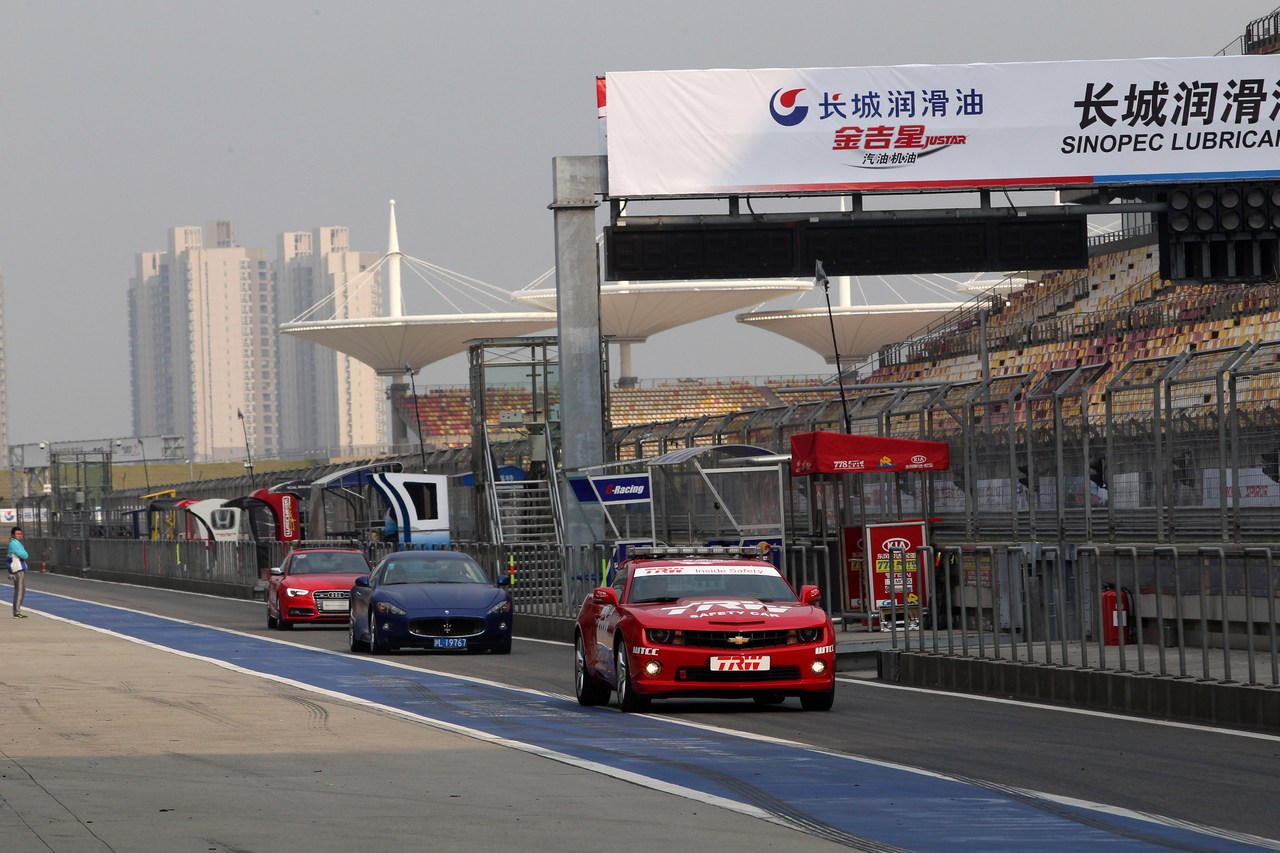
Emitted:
pixel 376 646
pixel 628 699
pixel 271 620
pixel 589 689
pixel 353 638
pixel 818 701
pixel 282 623
pixel 503 648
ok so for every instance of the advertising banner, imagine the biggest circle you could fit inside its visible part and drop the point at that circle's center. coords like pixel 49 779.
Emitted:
pixel 921 127
pixel 842 453
pixel 897 584
pixel 622 489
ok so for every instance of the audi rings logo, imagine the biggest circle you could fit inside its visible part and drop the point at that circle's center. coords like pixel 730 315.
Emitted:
pixel 790 114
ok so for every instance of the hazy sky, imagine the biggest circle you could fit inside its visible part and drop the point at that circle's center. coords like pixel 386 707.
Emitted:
pixel 122 119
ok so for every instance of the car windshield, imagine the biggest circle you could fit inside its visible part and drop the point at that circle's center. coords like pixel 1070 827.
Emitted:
pixel 328 564
pixel 651 586
pixel 426 570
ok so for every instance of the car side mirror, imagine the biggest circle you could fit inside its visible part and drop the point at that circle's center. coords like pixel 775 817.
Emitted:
pixel 605 595
pixel 276 571
pixel 363 580
pixel 810 594
pixel 504 580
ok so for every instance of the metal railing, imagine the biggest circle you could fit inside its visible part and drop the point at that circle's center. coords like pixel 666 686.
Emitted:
pixel 1206 613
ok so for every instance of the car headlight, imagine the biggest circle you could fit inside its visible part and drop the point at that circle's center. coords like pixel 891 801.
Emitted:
pixel 503 606
pixel 661 636
pixel 809 635
pixel 386 608
pixel 294 592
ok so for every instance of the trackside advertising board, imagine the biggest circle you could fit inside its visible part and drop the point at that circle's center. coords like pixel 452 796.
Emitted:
pixel 622 489
pixel 920 127
pixel 897 584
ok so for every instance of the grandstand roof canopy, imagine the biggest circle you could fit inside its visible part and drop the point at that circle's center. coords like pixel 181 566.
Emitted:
pixel 634 310
pixel 860 330
pixel 388 344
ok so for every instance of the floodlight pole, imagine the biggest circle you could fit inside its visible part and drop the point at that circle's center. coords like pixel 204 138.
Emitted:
pixel 417 416
pixel 820 278
pixel 248 457
pixel 142 449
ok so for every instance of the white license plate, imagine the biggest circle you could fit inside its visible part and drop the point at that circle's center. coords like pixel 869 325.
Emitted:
pixel 740 663
pixel 451 643
pixel 333 606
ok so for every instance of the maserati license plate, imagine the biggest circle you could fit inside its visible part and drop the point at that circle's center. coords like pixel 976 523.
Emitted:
pixel 451 642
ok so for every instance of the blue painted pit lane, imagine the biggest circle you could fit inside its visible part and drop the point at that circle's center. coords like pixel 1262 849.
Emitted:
pixel 868 805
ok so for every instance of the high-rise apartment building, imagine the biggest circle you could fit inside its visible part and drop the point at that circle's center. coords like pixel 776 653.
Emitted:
pixel 205 350
pixel 203 344
pixel 331 401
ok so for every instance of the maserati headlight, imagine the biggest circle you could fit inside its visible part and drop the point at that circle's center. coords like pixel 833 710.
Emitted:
pixel 386 608
pixel 503 606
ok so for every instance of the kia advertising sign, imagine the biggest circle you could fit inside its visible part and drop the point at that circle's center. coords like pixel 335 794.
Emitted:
pixel 941 127
pixel 897 582
pixel 622 489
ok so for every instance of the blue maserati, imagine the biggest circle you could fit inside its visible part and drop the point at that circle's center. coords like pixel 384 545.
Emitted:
pixel 438 600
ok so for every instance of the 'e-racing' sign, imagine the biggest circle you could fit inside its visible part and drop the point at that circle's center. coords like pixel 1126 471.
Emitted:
pixel 622 489
pixel 921 127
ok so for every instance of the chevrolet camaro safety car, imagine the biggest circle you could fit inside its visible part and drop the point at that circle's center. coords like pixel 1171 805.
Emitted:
pixel 715 624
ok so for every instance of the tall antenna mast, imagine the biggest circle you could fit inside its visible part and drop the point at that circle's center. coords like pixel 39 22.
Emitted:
pixel 393 267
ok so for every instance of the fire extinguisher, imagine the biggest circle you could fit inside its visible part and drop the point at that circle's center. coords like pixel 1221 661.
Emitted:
pixel 1117 616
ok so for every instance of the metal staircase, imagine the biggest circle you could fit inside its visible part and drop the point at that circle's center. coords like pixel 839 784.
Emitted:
pixel 526 511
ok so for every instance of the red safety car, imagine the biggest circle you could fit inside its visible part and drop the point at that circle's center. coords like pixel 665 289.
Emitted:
pixel 711 623
pixel 313 587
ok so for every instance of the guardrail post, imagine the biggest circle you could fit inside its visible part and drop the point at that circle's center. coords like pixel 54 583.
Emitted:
pixel 1216 551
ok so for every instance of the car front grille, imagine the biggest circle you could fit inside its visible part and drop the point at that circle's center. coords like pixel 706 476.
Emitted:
pixel 447 626
pixel 333 595
pixel 735 639
pixel 782 673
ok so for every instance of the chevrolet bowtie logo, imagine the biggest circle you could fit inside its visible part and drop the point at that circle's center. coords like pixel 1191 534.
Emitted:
pixel 739 640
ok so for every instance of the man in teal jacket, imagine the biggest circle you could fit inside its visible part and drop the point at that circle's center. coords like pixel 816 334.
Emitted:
pixel 17 570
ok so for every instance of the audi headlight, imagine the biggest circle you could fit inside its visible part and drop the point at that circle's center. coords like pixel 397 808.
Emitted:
pixel 293 592
pixel 503 606
pixel 386 608
pixel 809 635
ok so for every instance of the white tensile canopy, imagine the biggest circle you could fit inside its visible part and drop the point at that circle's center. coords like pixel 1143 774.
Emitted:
pixel 860 330
pixel 388 344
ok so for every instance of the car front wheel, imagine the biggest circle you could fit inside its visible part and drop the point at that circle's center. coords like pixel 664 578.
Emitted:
pixel 589 689
pixel 818 701
pixel 353 637
pixel 628 700
pixel 271 620
pixel 377 645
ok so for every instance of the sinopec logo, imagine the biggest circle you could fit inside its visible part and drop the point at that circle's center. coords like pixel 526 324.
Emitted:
pixel 782 106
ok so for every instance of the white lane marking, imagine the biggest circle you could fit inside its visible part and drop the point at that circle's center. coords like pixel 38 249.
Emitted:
pixel 643 781
pixel 1063 709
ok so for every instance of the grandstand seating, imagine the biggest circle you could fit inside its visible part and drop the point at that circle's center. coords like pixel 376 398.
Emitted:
pixel 445 413
pixel 1123 312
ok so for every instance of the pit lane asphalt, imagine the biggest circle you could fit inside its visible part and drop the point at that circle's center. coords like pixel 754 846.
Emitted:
pixel 266 735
